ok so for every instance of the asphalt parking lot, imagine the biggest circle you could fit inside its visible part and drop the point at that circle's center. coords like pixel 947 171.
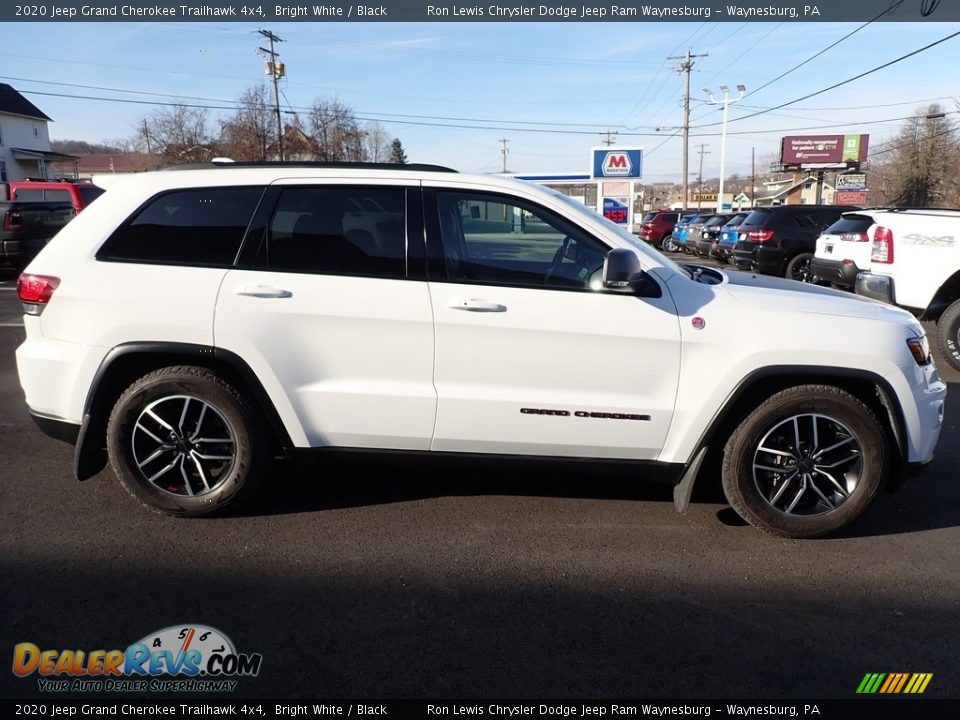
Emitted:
pixel 371 579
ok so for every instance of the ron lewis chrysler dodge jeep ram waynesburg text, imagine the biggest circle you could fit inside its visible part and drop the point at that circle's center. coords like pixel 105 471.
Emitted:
pixel 193 323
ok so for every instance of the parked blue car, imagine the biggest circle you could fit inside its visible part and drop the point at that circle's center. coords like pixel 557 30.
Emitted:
pixel 729 235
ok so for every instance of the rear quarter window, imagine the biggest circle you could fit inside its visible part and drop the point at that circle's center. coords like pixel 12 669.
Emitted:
pixel 199 226
pixel 758 218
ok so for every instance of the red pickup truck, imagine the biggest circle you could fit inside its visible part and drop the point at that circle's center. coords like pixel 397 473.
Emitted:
pixel 76 192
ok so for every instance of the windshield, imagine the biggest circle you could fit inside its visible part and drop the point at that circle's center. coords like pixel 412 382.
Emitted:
pixel 642 248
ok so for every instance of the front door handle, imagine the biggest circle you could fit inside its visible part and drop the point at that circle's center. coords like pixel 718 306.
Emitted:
pixel 477 305
pixel 263 291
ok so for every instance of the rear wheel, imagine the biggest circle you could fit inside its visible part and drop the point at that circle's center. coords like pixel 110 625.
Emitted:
pixel 948 335
pixel 806 462
pixel 668 244
pixel 185 442
pixel 799 268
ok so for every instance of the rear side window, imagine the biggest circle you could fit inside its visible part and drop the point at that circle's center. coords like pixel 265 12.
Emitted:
pixel 201 226
pixel 58 196
pixel 28 195
pixel 359 231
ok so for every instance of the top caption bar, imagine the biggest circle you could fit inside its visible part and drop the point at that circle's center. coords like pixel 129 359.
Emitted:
pixel 470 11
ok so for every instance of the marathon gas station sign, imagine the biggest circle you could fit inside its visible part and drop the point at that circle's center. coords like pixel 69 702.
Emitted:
pixel 616 169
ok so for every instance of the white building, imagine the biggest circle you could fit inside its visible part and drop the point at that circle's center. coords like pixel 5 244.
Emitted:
pixel 25 140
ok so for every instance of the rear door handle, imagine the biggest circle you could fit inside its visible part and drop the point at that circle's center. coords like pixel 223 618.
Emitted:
pixel 477 305
pixel 262 291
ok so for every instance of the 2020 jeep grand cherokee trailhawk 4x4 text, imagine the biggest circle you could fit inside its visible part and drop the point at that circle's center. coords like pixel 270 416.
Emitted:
pixel 190 323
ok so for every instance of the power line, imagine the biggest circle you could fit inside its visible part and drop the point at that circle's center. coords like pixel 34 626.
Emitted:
pixel 845 82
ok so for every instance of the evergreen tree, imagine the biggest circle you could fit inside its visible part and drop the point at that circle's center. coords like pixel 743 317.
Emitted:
pixel 397 153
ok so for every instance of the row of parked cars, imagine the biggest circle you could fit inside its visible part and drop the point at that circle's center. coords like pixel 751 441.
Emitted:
pixel 779 240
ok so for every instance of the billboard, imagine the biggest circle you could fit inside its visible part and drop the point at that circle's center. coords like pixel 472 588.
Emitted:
pixel 852 181
pixel 823 149
pixel 850 197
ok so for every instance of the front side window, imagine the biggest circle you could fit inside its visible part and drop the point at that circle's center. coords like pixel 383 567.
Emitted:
pixel 495 239
pixel 200 226
pixel 358 231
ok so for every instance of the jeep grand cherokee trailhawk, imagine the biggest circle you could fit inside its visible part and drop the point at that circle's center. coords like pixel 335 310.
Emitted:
pixel 191 324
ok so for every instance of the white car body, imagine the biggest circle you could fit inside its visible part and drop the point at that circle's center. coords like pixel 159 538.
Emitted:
pixel 451 366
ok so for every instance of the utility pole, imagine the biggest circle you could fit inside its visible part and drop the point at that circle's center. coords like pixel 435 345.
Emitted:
pixel 146 136
pixel 753 176
pixel 685 67
pixel 504 152
pixel 611 134
pixel 700 175
pixel 276 70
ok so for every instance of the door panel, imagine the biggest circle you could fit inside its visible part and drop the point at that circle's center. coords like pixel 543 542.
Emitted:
pixel 529 359
pixel 339 337
pixel 577 352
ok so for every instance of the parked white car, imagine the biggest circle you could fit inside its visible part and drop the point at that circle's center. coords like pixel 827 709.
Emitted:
pixel 843 250
pixel 915 263
pixel 192 324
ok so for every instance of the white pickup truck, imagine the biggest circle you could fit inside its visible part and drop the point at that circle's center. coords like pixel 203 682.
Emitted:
pixel 915 263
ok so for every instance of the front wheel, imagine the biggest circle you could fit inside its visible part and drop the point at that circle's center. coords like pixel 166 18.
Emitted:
pixel 185 442
pixel 805 462
pixel 948 335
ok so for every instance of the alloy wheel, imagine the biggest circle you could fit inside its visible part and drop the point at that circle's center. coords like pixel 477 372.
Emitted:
pixel 807 465
pixel 183 445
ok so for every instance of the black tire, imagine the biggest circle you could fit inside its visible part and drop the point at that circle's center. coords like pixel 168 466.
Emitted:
pixel 668 244
pixel 181 399
pixel 799 268
pixel 948 335
pixel 830 415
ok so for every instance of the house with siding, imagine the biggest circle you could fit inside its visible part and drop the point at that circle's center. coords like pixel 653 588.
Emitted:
pixel 25 141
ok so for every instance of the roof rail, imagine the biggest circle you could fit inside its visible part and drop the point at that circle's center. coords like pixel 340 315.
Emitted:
pixel 224 163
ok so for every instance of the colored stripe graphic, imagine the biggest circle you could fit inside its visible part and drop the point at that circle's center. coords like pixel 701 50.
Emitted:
pixel 894 683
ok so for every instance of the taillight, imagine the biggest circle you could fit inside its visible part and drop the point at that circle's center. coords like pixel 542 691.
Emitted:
pixel 882 251
pixel 760 236
pixel 855 237
pixel 35 291
pixel 13 221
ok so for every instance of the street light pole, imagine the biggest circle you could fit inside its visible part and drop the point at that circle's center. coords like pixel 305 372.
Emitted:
pixel 726 102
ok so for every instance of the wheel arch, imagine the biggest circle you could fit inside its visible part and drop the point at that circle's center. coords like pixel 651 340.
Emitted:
pixel 129 361
pixel 943 298
pixel 869 387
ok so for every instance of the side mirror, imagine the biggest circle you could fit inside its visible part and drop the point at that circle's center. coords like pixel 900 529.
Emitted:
pixel 622 273
pixel 619 267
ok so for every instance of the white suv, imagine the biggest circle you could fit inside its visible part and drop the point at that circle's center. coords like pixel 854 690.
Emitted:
pixel 192 323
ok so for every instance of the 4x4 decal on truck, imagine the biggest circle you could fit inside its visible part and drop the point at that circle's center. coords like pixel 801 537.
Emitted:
pixel 929 240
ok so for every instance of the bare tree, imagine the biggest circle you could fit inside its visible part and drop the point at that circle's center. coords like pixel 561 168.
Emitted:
pixel 919 166
pixel 178 134
pixel 247 134
pixel 335 131
pixel 376 143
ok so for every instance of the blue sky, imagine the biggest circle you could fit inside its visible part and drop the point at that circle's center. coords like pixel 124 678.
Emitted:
pixel 576 79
